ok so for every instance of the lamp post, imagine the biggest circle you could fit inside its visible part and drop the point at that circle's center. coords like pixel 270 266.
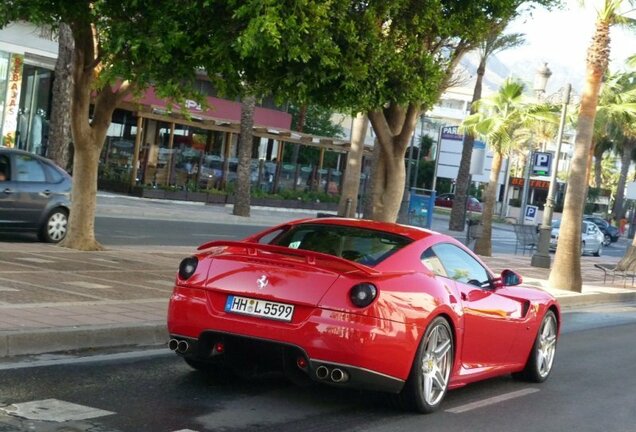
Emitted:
pixel 540 81
pixel 541 258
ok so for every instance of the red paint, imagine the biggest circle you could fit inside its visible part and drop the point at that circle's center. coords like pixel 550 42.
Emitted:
pixel 494 329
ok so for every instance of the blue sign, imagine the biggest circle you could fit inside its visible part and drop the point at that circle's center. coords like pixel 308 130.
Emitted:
pixel 421 209
pixel 541 163
pixel 530 216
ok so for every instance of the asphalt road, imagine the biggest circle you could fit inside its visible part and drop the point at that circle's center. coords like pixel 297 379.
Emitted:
pixel 591 389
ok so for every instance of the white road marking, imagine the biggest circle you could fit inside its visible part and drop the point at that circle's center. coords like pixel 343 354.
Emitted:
pixel 186 430
pixel 212 236
pixel 54 410
pixel 7 289
pixel 36 260
pixel 162 282
pixel 85 360
pixel 491 401
pixel 89 285
pixel 105 260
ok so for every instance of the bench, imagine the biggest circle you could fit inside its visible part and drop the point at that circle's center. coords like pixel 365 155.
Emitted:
pixel 610 270
pixel 527 237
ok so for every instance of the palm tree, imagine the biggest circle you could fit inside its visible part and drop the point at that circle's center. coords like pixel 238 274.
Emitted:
pixel 498 121
pixel 566 271
pixel 495 42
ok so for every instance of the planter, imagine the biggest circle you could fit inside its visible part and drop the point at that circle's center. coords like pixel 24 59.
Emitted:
pixel 154 193
pixel 216 198
pixel 197 196
pixel 176 195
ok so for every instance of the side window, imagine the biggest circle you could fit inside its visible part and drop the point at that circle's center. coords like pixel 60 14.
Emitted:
pixel 28 169
pixel 460 265
pixel 5 168
pixel 54 175
pixel 432 262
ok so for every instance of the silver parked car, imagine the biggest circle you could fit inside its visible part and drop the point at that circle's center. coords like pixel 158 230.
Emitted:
pixel 591 238
pixel 34 195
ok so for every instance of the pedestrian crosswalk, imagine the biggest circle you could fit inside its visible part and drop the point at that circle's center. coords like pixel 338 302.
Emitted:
pixel 57 411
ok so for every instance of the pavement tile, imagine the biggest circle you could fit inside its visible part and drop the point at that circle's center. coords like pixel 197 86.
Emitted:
pixel 35 294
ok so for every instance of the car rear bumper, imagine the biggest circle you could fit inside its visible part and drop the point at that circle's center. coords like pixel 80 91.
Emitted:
pixel 375 353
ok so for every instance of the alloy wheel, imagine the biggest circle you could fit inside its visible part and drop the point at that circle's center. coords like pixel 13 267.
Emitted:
pixel 436 364
pixel 547 345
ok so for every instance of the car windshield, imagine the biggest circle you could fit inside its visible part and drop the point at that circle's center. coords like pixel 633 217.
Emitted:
pixel 365 246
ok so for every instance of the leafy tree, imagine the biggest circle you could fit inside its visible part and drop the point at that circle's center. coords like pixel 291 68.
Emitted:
pixel 494 42
pixel 566 270
pixel 389 59
pixel 497 120
pixel 120 48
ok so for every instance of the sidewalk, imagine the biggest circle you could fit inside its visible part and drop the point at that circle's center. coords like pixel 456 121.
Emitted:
pixel 54 299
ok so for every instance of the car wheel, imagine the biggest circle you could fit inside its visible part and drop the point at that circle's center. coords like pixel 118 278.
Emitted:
pixel 599 251
pixel 541 358
pixel 428 382
pixel 607 239
pixel 55 227
pixel 582 248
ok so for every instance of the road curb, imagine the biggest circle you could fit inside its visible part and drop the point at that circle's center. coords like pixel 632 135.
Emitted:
pixel 595 299
pixel 13 343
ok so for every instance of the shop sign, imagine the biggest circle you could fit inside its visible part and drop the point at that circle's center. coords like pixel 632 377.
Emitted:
pixel 13 100
pixel 534 184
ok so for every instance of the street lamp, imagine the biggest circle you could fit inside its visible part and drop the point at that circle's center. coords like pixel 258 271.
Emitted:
pixel 542 257
pixel 540 81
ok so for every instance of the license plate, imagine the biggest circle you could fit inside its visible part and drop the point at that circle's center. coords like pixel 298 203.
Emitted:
pixel 259 308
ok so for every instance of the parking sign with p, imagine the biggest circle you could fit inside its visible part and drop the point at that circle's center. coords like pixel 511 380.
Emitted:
pixel 541 163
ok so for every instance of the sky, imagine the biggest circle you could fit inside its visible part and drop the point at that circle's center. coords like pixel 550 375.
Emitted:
pixel 561 38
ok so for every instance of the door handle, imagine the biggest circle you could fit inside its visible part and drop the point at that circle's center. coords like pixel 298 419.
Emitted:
pixel 46 193
pixel 7 191
pixel 464 296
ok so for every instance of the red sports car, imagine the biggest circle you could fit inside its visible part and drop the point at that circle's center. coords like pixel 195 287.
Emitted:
pixel 363 304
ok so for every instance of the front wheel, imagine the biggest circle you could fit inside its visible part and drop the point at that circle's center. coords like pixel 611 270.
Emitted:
pixel 607 240
pixel 428 382
pixel 541 358
pixel 599 251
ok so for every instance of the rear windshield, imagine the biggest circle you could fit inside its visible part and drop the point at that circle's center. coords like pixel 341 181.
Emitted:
pixel 364 246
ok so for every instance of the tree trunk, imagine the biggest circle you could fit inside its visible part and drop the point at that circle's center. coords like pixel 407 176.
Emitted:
pixel 598 170
pixel 351 182
pixel 626 159
pixel 566 271
pixel 483 246
pixel 393 128
pixel 302 116
pixel 242 199
pixel 60 126
pixel 458 212
pixel 367 200
pixel 88 136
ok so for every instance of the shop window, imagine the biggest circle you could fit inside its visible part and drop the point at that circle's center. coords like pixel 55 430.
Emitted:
pixel 33 116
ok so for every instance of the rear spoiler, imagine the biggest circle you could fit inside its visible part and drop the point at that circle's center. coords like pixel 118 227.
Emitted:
pixel 310 256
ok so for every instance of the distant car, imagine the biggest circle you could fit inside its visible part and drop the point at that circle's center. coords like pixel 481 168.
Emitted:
pixel 34 195
pixel 610 232
pixel 591 238
pixel 446 200
pixel 360 304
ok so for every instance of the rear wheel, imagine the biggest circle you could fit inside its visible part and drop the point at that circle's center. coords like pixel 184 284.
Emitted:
pixel 55 226
pixel 541 358
pixel 428 382
pixel 607 239
pixel 599 251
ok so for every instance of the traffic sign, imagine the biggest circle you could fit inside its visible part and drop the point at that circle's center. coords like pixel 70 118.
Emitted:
pixel 541 163
pixel 530 215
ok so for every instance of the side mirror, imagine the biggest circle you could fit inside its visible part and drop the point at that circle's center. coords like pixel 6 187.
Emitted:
pixel 510 278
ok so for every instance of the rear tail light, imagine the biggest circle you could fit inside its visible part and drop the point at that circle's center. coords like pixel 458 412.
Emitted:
pixel 362 295
pixel 187 267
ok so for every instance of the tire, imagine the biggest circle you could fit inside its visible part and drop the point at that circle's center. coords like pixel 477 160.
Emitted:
pixel 607 239
pixel 582 248
pixel 541 360
pixel 430 373
pixel 599 251
pixel 55 226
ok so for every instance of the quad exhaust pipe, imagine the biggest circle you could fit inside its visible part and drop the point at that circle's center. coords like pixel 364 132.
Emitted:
pixel 180 346
pixel 335 375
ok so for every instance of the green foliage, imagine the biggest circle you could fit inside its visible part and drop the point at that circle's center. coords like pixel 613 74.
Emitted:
pixel 317 121
pixel 426 144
